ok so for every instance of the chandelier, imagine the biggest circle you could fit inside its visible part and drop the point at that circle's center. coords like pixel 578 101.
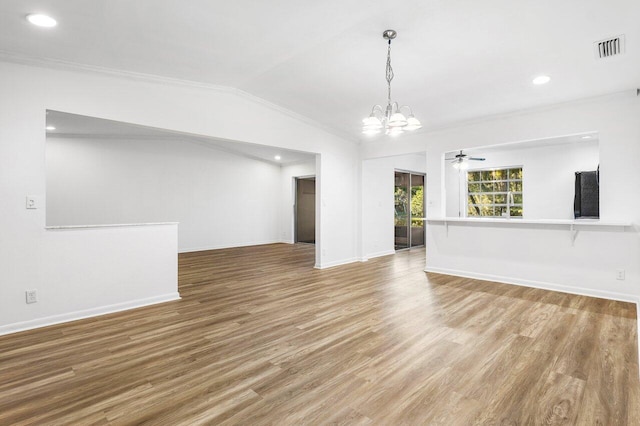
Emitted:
pixel 391 118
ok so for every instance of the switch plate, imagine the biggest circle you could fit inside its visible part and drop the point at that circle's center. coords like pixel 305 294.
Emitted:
pixel 620 274
pixel 32 202
pixel 32 296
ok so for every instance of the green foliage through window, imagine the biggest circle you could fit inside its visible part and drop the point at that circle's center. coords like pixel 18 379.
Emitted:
pixel 495 193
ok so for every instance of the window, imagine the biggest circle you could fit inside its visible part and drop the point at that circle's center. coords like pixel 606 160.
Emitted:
pixel 495 192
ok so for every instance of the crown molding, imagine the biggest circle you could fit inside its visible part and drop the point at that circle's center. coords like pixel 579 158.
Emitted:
pixel 527 111
pixel 6 56
pixel 457 124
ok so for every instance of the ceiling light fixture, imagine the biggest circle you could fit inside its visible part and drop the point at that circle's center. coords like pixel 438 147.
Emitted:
pixel 50 128
pixel 460 164
pixel 390 118
pixel 41 20
pixel 541 79
pixel 277 157
pixel 587 137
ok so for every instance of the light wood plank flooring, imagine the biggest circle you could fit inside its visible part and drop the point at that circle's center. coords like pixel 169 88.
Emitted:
pixel 260 337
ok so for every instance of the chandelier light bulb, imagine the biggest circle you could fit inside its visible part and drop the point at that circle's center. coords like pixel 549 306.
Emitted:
pixel 372 121
pixel 397 120
pixel 413 123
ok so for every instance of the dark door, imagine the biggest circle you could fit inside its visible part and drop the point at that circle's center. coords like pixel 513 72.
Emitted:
pixel 305 222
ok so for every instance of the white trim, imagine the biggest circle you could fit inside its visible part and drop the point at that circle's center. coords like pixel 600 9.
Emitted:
pixel 457 124
pixel 638 323
pixel 515 222
pixel 224 246
pixel 326 265
pixel 581 291
pixel 115 225
pixel 380 254
pixel 11 57
pixel 87 313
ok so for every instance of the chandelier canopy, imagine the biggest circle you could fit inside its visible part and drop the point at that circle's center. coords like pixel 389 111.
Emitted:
pixel 391 118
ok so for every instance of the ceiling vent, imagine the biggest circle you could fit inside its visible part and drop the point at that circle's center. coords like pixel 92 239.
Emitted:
pixel 610 47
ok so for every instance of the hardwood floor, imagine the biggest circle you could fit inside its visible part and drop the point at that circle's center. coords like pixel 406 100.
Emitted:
pixel 261 337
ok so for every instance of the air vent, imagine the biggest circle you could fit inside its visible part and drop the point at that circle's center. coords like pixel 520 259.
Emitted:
pixel 610 47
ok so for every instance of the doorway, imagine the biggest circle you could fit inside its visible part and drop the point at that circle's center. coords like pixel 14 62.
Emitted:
pixel 305 210
pixel 409 210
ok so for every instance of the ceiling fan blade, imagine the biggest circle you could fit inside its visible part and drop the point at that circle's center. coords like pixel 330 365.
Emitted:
pixel 477 158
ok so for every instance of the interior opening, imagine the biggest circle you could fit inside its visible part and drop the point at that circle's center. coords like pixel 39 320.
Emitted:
pixel 223 193
pixel 552 178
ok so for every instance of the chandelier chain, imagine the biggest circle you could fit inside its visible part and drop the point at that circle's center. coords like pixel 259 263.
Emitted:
pixel 389 72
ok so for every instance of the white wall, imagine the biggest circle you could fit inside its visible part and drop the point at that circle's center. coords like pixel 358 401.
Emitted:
pixel 219 199
pixel 548 176
pixel 85 272
pixel 29 255
pixel 545 257
pixel 288 197
pixel 378 177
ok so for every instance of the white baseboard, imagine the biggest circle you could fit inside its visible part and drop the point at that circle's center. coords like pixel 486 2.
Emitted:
pixel 638 326
pixel 336 263
pixel 88 313
pixel 223 246
pixel 547 286
pixel 380 254
pixel 354 259
pixel 581 291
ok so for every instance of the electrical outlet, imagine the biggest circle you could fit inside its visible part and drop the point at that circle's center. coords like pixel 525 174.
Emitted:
pixel 32 296
pixel 620 274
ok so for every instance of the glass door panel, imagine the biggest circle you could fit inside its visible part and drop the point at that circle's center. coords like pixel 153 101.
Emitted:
pixel 401 210
pixel 417 210
pixel 409 210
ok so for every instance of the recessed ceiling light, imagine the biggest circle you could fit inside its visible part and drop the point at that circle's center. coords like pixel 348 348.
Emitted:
pixel 277 157
pixel 541 79
pixel 42 20
pixel 50 128
pixel 587 137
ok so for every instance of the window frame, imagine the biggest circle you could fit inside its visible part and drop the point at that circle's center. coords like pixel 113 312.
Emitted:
pixel 506 205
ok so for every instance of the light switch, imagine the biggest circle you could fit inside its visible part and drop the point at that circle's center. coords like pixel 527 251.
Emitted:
pixel 32 202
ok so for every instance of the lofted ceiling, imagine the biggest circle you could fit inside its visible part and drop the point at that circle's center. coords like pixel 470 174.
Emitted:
pixel 454 60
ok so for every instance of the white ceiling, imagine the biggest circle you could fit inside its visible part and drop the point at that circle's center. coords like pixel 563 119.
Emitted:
pixel 79 126
pixel 454 60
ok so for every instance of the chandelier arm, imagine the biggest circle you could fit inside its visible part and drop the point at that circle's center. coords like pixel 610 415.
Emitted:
pixel 408 107
pixel 377 108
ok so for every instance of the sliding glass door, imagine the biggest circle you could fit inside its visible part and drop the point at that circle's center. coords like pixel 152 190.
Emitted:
pixel 409 210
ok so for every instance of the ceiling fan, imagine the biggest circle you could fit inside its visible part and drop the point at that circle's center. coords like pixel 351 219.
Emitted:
pixel 461 161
